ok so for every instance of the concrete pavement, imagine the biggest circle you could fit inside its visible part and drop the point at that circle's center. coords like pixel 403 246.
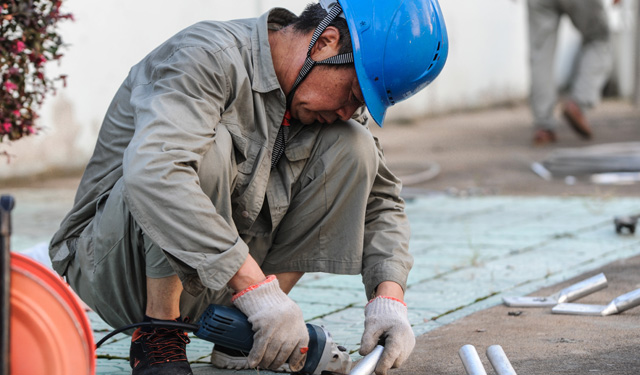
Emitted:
pixel 469 253
pixel 471 247
pixel 539 342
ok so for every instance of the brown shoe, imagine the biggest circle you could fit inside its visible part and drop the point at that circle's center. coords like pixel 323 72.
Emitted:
pixel 573 114
pixel 543 137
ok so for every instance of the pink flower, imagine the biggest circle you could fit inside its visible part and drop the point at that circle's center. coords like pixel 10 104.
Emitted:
pixel 16 113
pixel 6 127
pixel 10 86
pixel 20 46
pixel 41 60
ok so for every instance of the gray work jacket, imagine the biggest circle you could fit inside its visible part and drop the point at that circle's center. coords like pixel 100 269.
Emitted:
pixel 164 118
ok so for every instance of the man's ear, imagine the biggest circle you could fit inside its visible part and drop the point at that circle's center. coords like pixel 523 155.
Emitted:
pixel 327 45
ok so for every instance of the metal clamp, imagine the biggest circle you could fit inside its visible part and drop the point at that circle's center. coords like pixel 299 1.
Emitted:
pixel 626 222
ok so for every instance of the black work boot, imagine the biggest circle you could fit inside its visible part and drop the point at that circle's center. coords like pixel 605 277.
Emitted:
pixel 159 351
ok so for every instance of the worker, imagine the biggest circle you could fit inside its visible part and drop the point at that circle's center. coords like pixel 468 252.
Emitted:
pixel 234 158
pixel 595 62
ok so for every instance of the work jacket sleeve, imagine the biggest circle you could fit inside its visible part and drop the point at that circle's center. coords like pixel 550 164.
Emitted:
pixel 386 238
pixel 176 109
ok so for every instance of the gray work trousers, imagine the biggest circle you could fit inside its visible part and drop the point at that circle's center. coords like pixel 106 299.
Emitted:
pixel 595 59
pixel 111 277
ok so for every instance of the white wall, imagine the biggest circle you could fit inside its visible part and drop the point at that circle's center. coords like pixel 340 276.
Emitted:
pixel 487 64
pixel 487 60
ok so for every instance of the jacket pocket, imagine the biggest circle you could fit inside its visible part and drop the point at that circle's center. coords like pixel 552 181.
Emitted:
pixel 62 256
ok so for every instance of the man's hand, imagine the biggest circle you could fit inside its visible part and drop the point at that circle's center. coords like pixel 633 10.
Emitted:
pixel 386 317
pixel 280 331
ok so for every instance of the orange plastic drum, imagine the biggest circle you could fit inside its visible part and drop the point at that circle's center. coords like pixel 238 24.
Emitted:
pixel 50 332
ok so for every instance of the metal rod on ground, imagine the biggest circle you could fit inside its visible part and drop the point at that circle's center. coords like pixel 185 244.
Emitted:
pixel 618 305
pixel 541 171
pixel 6 205
pixel 499 361
pixel 622 303
pixel 471 360
pixel 367 365
pixel 573 292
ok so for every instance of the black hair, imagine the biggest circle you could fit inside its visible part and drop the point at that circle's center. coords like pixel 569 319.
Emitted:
pixel 311 17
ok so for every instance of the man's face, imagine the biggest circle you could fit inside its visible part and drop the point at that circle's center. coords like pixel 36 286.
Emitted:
pixel 327 94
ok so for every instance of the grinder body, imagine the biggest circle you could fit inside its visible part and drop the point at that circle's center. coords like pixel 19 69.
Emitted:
pixel 229 327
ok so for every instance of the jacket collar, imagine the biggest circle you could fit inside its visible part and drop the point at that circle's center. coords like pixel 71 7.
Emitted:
pixel 264 74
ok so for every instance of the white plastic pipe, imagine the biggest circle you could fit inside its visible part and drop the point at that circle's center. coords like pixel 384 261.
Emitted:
pixel 471 360
pixel 499 361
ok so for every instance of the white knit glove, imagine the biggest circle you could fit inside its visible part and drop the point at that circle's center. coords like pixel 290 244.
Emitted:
pixel 387 317
pixel 280 331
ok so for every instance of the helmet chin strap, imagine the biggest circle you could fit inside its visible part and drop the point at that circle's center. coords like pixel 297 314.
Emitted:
pixel 345 58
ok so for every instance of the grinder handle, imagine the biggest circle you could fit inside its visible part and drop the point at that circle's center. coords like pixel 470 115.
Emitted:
pixel 226 326
pixel 229 327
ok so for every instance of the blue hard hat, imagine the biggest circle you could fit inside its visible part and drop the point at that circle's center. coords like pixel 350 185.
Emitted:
pixel 399 47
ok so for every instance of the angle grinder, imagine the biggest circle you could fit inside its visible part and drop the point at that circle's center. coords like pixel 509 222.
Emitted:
pixel 229 327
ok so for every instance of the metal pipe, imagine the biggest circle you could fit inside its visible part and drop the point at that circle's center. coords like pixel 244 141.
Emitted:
pixel 499 361
pixel 6 205
pixel 622 303
pixel 618 305
pixel 583 288
pixel 367 365
pixel 471 360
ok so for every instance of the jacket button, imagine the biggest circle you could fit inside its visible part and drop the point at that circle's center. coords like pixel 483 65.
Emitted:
pixel 245 214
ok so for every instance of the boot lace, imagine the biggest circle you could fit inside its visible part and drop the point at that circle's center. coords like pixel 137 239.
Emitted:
pixel 166 345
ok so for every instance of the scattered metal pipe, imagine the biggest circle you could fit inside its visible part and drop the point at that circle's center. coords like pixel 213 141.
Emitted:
pixel 571 293
pixel 618 305
pixel 471 360
pixel 499 361
pixel 541 171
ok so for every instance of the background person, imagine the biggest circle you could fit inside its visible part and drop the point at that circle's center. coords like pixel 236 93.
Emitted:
pixel 594 66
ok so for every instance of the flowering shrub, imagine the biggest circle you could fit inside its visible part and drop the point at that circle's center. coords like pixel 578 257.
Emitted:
pixel 28 40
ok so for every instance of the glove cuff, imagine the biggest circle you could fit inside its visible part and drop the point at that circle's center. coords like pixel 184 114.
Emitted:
pixel 384 304
pixel 257 297
pixel 269 279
